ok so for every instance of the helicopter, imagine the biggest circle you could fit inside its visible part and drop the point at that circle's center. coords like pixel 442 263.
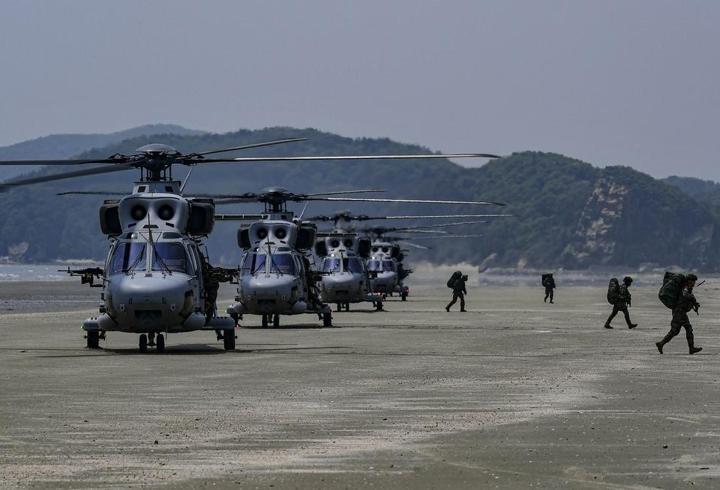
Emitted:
pixel 156 280
pixel 275 274
pixel 387 255
pixel 349 275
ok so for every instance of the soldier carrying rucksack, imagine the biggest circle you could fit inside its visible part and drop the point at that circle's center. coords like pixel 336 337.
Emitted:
pixel 677 293
pixel 619 297
pixel 457 284
pixel 548 282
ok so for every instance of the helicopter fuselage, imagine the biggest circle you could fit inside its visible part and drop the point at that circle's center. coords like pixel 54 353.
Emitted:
pixel 345 278
pixel 274 273
pixel 153 278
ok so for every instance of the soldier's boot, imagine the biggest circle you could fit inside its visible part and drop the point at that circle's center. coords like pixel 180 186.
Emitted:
pixel 632 325
pixel 447 308
pixel 695 350
pixel 660 346
pixel 607 325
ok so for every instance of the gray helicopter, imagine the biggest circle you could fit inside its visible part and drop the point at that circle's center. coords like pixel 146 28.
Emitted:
pixel 387 255
pixel 350 274
pixel 155 278
pixel 275 274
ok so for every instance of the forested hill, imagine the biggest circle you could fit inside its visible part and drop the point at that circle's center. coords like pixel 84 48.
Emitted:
pixel 567 212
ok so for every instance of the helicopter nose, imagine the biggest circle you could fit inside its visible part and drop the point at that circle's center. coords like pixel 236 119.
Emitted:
pixel 155 302
pixel 270 287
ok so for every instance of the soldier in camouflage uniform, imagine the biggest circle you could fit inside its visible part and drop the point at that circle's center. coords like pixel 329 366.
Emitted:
pixel 680 318
pixel 212 277
pixel 549 283
pixel 624 300
pixel 459 292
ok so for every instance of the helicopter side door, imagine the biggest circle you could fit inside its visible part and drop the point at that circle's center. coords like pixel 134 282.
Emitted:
pixel 196 279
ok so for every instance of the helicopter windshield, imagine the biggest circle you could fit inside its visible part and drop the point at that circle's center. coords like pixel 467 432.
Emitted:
pixel 170 256
pixel 282 263
pixel 388 266
pixel 353 265
pixel 128 256
pixel 374 266
pixel 331 265
pixel 253 263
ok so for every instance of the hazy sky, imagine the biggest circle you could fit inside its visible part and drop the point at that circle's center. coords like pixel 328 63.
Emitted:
pixel 622 82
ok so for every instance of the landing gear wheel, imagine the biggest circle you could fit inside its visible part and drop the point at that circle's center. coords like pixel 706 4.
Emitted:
pixel 93 339
pixel 276 321
pixel 143 343
pixel 160 343
pixel 264 321
pixel 327 320
pixel 229 339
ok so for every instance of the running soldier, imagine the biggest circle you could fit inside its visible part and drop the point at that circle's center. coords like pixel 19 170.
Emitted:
pixel 686 302
pixel 621 300
pixel 459 291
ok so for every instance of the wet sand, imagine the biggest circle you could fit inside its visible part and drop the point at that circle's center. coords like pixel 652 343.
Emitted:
pixel 513 394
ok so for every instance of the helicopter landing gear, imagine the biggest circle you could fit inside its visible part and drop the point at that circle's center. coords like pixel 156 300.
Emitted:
pixel 160 348
pixel 327 319
pixel 276 321
pixel 143 343
pixel 229 339
pixel 93 339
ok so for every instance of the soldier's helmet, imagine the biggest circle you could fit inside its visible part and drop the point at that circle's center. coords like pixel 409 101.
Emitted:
pixel 627 280
pixel 691 277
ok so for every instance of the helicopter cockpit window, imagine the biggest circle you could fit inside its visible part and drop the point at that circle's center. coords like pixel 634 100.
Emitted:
pixel 331 265
pixel 253 263
pixel 282 263
pixel 388 265
pixel 353 265
pixel 128 256
pixel 170 256
pixel 374 266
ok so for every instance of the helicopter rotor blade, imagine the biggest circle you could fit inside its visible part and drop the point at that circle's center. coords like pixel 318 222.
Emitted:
pixel 416 245
pixel 64 175
pixel 417 201
pixel 92 193
pixel 238 217
pixel 349 217
pixel 447 236
pixel 357 191
pixel 448 216
pixel 62 162
pixel 348 157
pixel 247 147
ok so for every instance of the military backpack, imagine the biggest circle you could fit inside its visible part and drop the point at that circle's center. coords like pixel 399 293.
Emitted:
pixel 453 279
pixel 671 289
pixel 613 292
